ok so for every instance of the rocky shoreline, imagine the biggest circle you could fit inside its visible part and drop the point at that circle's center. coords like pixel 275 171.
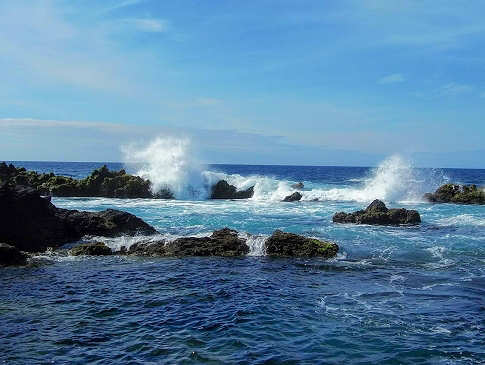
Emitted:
pixel 31 223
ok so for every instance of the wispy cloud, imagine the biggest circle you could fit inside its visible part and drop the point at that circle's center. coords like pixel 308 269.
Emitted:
pixel 45 123
pixel 391 79
pixel 150 25
pixel 452 89
pixel 121 5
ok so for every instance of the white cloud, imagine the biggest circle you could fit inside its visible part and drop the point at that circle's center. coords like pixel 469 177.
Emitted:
pixel 391 79
pixel 150 25
pixel 452 89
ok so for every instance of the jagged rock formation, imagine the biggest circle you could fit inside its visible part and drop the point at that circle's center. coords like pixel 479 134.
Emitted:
pixel 101 183
pixel 454 193
pixel 377 213
pixel 296 196
pixel 289 244
pixel 223 190
pixel 32 223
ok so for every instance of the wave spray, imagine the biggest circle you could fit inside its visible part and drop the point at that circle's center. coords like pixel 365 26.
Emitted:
pixel 168 163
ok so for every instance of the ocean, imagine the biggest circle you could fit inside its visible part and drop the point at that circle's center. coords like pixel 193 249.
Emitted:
pixel 393 295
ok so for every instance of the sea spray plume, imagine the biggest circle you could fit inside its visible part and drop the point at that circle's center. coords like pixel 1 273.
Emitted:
pixel 168 163
pixel 395 179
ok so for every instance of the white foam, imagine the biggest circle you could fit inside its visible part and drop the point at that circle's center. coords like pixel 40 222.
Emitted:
pixel 168 162
pixel 393 180
pixel 255 243
pixel 462 220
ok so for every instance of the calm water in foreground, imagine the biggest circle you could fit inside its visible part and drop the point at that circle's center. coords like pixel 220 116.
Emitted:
pixel 393 295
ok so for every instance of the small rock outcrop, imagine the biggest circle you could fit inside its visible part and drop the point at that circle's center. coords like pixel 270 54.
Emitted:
pixel 459 194
pixel 11 256
pixel 296 196
pixel 101 183
pixel 284 244
pixel 223 190
pixel 91 249
pixel 224 242
pixel 378 214
pixel 32 223
pixel 298 185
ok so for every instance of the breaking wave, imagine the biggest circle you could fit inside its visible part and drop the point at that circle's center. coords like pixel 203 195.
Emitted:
pixel 169 164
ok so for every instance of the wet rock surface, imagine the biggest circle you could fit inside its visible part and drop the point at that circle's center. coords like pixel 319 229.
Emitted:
pixel 285 244
pixel 459 194
pixel 32 223
pixel 92 249
pixel 296 196
pixel 223 190
pixel 378 214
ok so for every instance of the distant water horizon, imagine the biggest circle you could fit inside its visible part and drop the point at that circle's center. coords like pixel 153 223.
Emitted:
pixel 237 164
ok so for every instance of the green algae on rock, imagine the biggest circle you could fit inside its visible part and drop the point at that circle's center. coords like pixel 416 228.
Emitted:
pixel 454 193
pixel 285 244
pixel 101 183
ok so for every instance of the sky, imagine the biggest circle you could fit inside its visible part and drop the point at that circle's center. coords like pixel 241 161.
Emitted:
pixel 336 82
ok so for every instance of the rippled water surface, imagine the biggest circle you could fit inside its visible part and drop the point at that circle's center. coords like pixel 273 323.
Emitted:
pixel 393 294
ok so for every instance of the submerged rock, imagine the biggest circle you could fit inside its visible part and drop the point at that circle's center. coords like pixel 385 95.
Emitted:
pixel 377 213
pixel 91 249
pixel 32 223
pixel 299 185
pixel 223 190
pixel 11 256
pixel 454 193
pixel 289 244
pixel 101 183
pixel 296 196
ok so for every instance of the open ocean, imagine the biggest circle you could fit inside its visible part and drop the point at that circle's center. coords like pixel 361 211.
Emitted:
pixel 393 295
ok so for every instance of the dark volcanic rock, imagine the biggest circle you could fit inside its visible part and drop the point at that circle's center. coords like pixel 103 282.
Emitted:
pixel 156 248
pixel 299 185
pixel 91 249
pixel 460 194
pixel 222 190
pixel 289 244
pixel 11 256
pixel 101 183
pixel 224 242
pixel 296 196
pixel 377 213
pixel 32 223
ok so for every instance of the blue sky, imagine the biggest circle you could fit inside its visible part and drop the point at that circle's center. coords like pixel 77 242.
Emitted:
pixel 344 82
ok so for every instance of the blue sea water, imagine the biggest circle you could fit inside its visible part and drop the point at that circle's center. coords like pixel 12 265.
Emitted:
pixel 394 295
